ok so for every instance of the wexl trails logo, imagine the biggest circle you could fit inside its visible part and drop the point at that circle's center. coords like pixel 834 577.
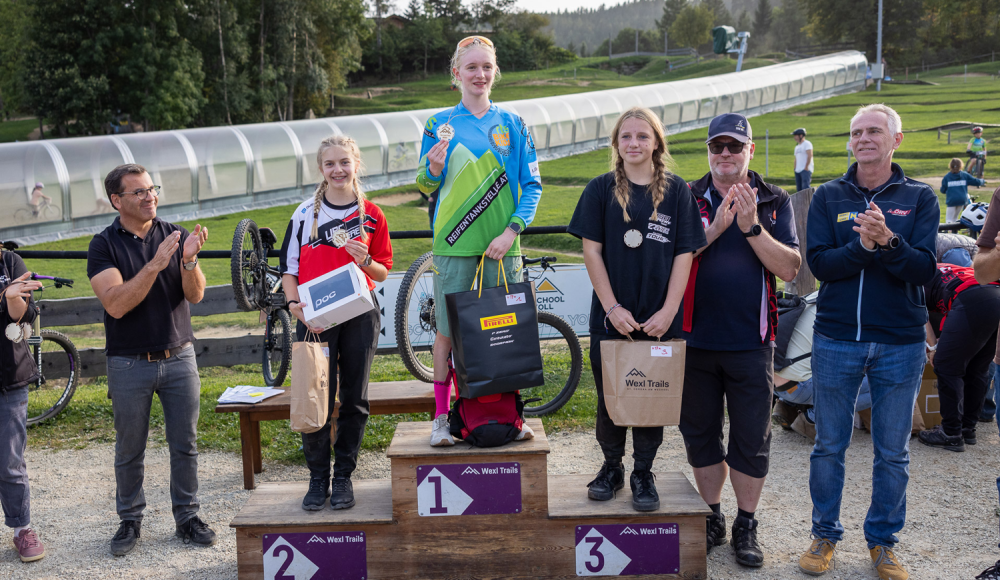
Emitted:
pixel 636 379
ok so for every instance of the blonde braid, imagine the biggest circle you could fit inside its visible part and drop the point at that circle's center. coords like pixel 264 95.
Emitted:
pixel 317 202
pixel 623 188
pixel 659 185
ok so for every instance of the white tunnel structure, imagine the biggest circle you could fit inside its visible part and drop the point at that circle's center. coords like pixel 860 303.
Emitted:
pixel 218 170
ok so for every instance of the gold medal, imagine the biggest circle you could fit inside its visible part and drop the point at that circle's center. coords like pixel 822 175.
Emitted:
pixel 446 132
pixel 633 238
pixel 340 238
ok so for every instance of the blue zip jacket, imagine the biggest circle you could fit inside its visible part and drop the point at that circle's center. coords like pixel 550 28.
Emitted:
pixel 955 187
pixel 871 296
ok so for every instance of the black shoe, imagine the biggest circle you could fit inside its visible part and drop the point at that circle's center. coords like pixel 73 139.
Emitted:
pixel 969 435
pixel 715 526
pixel 991 573
pixel 644 496
pixel 936 437
pixel 343 493
pixel 319 490
pixel 610 479
pixel 126 537
pixel 195 531
pixel 745 544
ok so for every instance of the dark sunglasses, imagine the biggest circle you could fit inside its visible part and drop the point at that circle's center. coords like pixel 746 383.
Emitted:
pixel 735 147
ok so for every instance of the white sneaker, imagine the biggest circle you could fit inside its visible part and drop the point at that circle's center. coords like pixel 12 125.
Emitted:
pixel 525 434
pixel 441 432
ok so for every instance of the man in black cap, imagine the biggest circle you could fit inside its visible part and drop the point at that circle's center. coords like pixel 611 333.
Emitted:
pixel 804 165
pixel 730 316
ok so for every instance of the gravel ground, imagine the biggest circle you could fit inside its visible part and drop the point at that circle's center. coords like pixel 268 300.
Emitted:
pixel 951 530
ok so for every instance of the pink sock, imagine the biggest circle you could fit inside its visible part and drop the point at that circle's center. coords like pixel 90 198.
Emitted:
pixel 442 397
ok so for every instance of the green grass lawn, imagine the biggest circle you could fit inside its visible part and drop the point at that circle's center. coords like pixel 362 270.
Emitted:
pixel 11 131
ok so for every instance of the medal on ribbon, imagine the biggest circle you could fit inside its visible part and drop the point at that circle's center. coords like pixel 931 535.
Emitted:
pixel 633 238
pixel 446 132
pixel 26 330
pixel 340 238
pixel 14 333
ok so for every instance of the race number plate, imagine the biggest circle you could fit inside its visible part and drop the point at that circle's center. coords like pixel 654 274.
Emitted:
pixel 462 489
pixel 627 550
pixel 311 556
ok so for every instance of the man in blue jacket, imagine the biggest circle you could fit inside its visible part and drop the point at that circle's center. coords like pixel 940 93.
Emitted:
pixel 870 240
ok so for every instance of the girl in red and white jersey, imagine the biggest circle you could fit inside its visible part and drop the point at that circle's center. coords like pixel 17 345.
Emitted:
pixel 338 226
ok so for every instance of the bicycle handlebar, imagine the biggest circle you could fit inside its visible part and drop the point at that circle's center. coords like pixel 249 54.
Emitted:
pixel 60 282
pixel 544 259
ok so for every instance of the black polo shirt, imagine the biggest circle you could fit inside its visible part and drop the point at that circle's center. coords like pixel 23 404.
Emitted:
pixel 163 319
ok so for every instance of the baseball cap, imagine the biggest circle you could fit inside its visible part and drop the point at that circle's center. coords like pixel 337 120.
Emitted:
pixel 799 131
pixel 731 125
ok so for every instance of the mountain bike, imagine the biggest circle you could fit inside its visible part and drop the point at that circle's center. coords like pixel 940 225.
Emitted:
pixel 415 325
pixel 257 286
pixel 57 360
pixel 976 164
pixel 45 211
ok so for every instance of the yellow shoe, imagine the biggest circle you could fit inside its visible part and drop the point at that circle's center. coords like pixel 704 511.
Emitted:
pixel 887 564
pixel 819 558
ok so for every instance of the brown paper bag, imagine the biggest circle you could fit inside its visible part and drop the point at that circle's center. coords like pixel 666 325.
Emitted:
pixel 643 381
pixel 916 427
pixel 310 385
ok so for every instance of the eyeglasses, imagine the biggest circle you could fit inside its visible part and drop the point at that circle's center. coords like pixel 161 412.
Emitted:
pixel 152 191
pixel 474 39
pixel 735 147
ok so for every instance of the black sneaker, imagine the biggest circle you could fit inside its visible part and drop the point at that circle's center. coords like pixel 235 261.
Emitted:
pixel 969 435
pixel 936 437
pixel 715 526
pixel 195 531
pixel 644 496
pixel 745 544
pixel 319 490
pixel 126 537
pixel 991 573
pixel 610 479
pixel 343 493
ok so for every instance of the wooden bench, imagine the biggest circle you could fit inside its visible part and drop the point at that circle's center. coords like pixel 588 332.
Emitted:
pixel 384 398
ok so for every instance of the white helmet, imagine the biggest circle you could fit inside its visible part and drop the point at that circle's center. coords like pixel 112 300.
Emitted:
pixel 974 216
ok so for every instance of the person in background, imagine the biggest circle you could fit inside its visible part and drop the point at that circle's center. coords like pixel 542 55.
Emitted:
pixel 750 230
pixel 987 270
pixel 804 164
pixel 37 196
pixel 955 187
pixel 871 238
pixel 17 371
pixel 977 144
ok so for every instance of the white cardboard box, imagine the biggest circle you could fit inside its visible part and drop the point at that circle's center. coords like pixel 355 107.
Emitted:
pixel 335 297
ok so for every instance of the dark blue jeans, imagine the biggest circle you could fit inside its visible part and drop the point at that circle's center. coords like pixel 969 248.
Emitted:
pixel 893 372
pixel 802 180
pixel 132 381
pixel 15 493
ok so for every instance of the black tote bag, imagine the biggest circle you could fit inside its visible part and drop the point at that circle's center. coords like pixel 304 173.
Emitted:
pixel 494 338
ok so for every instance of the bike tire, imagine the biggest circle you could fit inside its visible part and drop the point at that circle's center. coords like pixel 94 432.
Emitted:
pixel 415 325
pixel 51 212
pixel 23 216
pixel 277 353
pixel 562 363
pixel 244 263
pixel 59 368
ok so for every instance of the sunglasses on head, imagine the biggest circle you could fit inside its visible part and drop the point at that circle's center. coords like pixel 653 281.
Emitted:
pixel 474 39
pixel 735 147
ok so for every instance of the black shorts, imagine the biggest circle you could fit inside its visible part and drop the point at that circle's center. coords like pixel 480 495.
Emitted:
pixel 746 379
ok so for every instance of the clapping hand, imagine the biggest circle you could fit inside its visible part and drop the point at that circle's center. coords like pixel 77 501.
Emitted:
pixel 871 226
pixel 165 252
pixel 744 200
pixel 194 242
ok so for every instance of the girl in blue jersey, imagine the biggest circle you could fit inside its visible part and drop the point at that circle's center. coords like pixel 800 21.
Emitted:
pixel 478 166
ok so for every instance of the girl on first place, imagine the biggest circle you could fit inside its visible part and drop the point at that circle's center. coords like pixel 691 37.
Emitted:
pixel 338 226
pixel 640 226
pixel 478 165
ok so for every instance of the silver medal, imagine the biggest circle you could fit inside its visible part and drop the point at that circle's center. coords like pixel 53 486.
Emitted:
pixel 14 333
pixel 446 132
pixel 340 238
pixel 633 238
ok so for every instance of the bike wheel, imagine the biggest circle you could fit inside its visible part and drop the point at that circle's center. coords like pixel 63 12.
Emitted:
pixel 415 324
pixel 23 216
pixel 59 368
pixel 277 349
pixel 562 363
pixel 51 212
pixel 245 265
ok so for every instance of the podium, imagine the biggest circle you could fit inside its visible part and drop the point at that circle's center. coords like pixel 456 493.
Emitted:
pixel 466 512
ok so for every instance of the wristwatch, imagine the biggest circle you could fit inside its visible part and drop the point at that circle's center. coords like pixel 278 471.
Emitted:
pixel 892 245
pixel 367 261
pixel 191 265
pixel 755 230
pixel 515 227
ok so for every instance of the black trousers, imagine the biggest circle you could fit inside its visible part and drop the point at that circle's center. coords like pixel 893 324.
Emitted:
pixel 611 437
pixel 967 345
pixel 352 348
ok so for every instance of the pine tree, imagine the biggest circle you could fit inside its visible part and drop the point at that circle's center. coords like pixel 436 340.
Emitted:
pixel 671 10
pixel 762 19
pixel 744 23
pixel 721 14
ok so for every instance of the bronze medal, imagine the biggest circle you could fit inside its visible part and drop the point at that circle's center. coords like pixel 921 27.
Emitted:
pixel 633 238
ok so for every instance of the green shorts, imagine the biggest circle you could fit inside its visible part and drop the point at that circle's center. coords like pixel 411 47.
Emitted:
pixel 455 273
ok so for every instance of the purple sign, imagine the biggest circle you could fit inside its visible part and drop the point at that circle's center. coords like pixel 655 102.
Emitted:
pixel 463 489
pixel 629 550
pixel 319 555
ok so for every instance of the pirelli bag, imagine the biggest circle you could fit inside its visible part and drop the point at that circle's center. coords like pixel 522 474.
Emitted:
pixel 494 337
pixel 310 385
pixel 643 381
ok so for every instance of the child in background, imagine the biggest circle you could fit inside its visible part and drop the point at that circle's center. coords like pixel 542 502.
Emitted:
pixel 955 187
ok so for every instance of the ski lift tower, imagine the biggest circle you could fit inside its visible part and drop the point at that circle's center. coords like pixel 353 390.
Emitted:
pixel 725 39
